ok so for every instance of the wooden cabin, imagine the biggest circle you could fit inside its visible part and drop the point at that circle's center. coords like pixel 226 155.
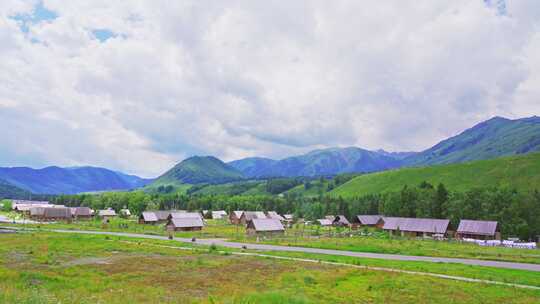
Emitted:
pixel 81 213
pixel 324 222
pixel 482 230
pixel 185 215
pixel 184 224
pixel 264 226
pixel 415 227
pixel 148 217
pixel 219 215
pixel 162 215
pixel 234 217
pixel 51 214
pixel 367 221
pixel 341 221
pixel 107 214
pixel 251 215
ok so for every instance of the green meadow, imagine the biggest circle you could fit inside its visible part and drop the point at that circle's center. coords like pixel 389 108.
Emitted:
pixel 66 268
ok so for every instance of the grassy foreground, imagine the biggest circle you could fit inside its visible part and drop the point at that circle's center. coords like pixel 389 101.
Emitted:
pixel 519 172
pixel 53 268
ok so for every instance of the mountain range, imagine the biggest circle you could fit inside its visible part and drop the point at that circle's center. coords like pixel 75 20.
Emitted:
pixel 319 163
pixel 72 180
pixel 493 138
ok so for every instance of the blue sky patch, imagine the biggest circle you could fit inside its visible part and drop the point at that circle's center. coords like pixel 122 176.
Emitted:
pixel 39 13
pixel 103 34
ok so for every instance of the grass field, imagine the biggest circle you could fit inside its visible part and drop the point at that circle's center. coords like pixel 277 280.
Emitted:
pixel 519 172
pixel 54 268
pixel 311 236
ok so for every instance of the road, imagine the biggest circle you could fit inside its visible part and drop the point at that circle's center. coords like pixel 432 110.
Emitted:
pixel 395 257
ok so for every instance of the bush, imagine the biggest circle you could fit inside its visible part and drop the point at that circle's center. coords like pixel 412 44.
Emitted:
pixel 6 205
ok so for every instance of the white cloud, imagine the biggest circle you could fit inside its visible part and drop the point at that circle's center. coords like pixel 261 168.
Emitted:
pixel 246 78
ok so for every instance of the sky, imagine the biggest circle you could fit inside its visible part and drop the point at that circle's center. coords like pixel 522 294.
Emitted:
pixel 137 86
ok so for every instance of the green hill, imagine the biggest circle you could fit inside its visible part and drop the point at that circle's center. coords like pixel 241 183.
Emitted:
pixel 520 172
pixel 198 170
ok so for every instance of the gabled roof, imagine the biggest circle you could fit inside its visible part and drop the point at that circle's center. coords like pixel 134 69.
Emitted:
pixel 162 215
pixel 477 227
pixel 274 215
pixel 81 211
pixel 325 222
pixel 288 216
pixel 219 214
pixel 368 219
pixel 107 212
pixel 250 215
pixel 186 215
pixel 37 211
pixel 27 202
pixel 149 216
pixel 237 214
pixel 49 212
pixel 186 222
pixel 61 212
pixel 341 220
pixel 26 207
pixel 266 224
pixel 416 224
pixel 330 217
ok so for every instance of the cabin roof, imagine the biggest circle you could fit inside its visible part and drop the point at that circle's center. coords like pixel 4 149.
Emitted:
pixel 416 224
pixel 368 219
pixel 341 219
pixel 186 215
pixel 325 222
pixel 149 216
pixel 477 227
pixel 250 215
pixel 186 222
pixel 238 213
pixel 107 212
pixel 266 224
pixel 274 215
pixel 81 211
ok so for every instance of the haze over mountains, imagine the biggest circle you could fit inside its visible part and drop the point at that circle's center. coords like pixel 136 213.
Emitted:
pixel 490 139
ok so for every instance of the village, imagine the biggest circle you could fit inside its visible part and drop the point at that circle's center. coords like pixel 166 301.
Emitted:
pixel 267 225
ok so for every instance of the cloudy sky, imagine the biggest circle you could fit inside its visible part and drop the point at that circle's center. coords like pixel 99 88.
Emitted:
pixel 139 85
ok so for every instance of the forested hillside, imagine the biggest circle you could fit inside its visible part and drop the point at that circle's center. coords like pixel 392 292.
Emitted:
pixel 516 172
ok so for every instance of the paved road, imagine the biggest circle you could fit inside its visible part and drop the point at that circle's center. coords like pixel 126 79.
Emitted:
pixel 396 257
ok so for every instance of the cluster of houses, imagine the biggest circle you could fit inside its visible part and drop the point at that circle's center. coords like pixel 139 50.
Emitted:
pixel 270 222
pixel 45 211
pixel 418 227
pixel 256 222
pixel 175 220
